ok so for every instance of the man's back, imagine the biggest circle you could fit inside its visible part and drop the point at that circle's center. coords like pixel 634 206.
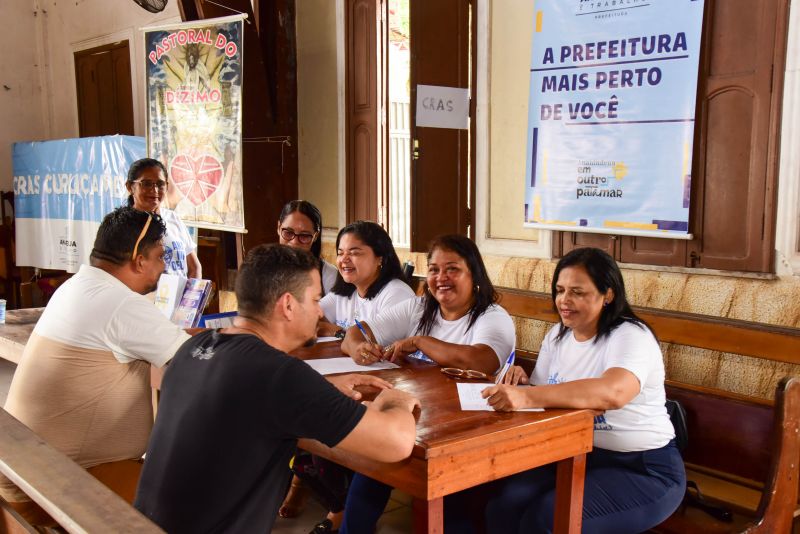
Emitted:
pixel 230 413
pixel 83 381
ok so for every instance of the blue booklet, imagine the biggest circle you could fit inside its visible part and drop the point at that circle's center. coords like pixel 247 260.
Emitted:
pixel 217 320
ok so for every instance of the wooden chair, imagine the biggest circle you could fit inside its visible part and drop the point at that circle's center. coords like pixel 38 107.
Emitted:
pixel 10 278
pixel 10 285
pixel 8 220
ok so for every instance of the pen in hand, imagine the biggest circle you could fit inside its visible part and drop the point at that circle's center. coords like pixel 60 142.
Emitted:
pixel 367 337
pixel 502 373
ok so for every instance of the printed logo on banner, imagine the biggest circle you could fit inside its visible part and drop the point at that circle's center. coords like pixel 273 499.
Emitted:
pixel 611 115
pixel 68 253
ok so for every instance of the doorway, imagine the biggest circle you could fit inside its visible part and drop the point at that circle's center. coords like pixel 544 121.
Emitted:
pixel 417 182
pixel 105 100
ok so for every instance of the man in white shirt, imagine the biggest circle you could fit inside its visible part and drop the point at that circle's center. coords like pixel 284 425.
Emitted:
pixel 83 383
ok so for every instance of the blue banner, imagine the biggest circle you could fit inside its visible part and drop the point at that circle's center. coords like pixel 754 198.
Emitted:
pixel 62 191
pixel 611 116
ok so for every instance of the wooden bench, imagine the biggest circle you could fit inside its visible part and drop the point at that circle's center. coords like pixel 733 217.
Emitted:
pixel 741 448
pixel 74 498
pixel 749 444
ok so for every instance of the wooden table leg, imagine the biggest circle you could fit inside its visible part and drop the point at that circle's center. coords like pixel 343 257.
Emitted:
pixel 428 515
pixel 569 495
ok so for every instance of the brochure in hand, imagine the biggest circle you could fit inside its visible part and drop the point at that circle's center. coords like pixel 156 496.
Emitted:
pixel 182 301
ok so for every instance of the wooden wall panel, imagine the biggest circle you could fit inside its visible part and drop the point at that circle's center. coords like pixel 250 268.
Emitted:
pixel 362 127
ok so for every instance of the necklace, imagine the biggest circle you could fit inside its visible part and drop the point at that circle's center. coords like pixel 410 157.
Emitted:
pixel 239 328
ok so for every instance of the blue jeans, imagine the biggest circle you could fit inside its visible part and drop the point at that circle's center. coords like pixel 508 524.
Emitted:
pixel 625 492
pixel 367 498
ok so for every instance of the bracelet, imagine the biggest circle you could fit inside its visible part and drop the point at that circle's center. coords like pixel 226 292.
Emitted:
pixel 339 334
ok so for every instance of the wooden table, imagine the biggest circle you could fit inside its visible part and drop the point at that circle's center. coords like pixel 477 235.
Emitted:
pixel 15 332
pixel 456 450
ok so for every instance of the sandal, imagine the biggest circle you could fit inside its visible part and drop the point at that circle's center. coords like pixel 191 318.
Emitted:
pixel 323 527
pixel 295 500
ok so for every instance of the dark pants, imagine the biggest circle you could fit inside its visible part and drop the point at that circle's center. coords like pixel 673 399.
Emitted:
pixel 625 492
pixel 328 480
pixel 367 499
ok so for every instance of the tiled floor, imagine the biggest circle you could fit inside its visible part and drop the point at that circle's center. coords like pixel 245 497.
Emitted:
pixel 396 519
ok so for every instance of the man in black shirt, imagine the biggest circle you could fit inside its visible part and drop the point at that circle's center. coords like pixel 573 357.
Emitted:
pixel 233 405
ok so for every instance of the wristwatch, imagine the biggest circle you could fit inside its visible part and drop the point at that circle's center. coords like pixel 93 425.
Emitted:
pixel 339 334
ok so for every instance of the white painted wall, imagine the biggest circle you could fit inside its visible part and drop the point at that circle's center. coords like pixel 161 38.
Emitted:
pixel 21 112
pixel 318 118
pixel 40 40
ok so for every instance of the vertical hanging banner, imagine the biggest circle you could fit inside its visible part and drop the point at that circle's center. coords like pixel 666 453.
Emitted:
pixel 613 86
pixel 62 191
pixel 194 118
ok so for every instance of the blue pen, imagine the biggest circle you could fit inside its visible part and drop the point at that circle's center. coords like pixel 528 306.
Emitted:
pixel 363 331
pixel 505 368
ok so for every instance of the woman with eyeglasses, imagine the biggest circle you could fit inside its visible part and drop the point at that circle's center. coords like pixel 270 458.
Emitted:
pixel 370 278
pixel 457 323
pixel 147 185
pixel 602 357
pixel 300 226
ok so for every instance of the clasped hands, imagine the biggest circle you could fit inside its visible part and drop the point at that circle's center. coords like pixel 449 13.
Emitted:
pixel 367 353
pixel 387 397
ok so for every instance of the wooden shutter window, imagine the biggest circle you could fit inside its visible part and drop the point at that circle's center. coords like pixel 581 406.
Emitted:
pixel 735 163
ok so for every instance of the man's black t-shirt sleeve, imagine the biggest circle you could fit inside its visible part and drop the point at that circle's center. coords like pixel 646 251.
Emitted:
pixel 306 405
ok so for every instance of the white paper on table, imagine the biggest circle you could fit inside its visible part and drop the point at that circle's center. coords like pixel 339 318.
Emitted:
pixel 329 366
pixel 469 394
pixel 324 339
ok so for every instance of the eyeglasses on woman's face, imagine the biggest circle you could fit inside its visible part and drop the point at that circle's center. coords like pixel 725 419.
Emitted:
pixel 149 185
pixel 287 234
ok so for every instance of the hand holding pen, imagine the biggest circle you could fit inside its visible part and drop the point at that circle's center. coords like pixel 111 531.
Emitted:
pixel 369 351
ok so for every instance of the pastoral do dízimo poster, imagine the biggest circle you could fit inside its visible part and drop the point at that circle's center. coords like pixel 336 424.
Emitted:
pixel 194 97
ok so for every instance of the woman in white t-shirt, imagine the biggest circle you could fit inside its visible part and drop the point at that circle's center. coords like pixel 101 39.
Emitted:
pixel 370 278
pixel 600 357
pixel 300 226
pixel 147 183
pixel 457 323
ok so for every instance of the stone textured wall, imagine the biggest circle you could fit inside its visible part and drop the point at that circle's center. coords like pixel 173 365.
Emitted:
pixel 775 302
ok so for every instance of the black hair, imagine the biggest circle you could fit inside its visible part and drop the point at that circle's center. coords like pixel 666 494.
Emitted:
pixel 376 238
pixel 605 274
pixel 268 272
pixel 309 210
pixel 136 169
pixel 116 238
pixel 482 287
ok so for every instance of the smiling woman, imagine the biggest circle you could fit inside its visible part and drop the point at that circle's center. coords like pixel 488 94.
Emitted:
pixel 457 323
pixel 601 357
pixel 147 184
pixel 370 277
